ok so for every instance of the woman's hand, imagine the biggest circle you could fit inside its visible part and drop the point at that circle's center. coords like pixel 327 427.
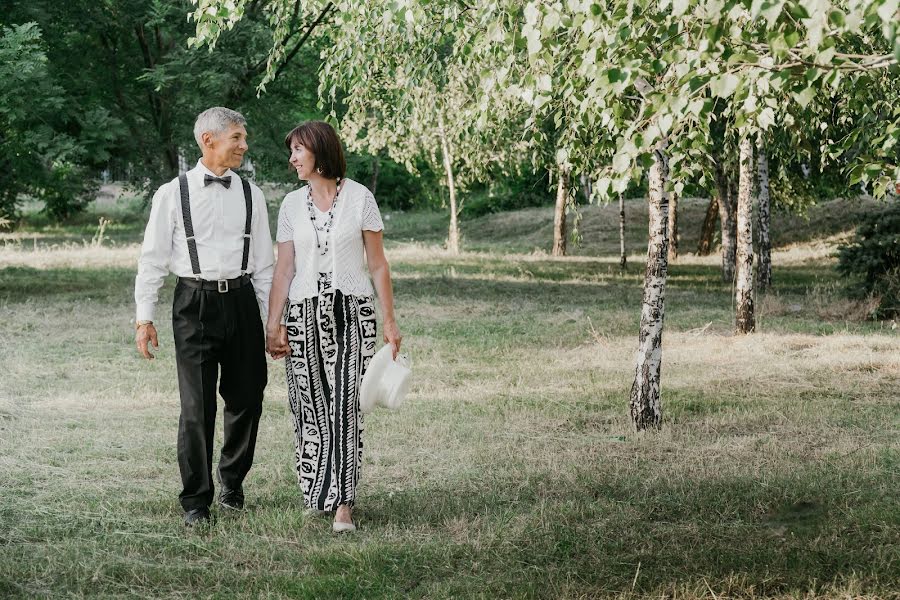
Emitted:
pixel 277 341
pixel 392 336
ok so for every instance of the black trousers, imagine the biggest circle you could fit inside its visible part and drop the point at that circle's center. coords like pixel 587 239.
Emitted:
pixel 215 330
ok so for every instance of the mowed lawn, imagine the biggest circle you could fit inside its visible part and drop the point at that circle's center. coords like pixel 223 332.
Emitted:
pixel 512 470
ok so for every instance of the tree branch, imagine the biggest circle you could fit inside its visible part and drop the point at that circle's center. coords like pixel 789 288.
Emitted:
pixel 302 41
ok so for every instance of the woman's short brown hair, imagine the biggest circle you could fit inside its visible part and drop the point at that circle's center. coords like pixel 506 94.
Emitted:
pixel 322 140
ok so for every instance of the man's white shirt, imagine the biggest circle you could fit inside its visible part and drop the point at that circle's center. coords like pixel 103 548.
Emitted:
pixel 218 215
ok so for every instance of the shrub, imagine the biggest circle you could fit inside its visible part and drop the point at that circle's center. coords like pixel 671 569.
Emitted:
pixel 508 193
pixel 871 261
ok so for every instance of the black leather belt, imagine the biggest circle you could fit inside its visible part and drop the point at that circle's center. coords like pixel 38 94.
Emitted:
pixel 222 285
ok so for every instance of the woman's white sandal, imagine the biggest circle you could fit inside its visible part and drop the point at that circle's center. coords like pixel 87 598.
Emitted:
pixel 341 527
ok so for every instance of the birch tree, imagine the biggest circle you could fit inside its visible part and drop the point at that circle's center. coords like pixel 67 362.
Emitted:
pixel 559 213
pixel 630 87
pixel 764 272
pixel 744 316
pixel 623 261
pixel 673 227
pixel 645 403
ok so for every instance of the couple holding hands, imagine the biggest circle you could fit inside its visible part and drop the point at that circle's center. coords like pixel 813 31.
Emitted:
pixel 211 229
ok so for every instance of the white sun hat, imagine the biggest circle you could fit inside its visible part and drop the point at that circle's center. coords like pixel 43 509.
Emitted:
pixel 386 381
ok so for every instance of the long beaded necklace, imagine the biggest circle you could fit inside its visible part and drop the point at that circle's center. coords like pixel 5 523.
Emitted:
pixel 326 226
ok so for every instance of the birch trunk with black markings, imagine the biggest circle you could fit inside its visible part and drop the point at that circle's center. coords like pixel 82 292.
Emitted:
pixel 453 233
pixel 622 261
pixel 764 272
pixel 559 218
pixel 745 321
pixel 646 408
pixel 726 221
pixel 673 227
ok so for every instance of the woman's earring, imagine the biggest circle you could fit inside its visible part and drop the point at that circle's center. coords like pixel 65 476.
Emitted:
pixel 319 170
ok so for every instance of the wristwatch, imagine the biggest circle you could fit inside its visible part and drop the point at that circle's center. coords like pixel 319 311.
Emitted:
pixel 138 324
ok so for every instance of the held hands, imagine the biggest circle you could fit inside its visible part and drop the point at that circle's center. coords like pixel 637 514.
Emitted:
pixel 277 341
pixel 392 336
pixel 143 337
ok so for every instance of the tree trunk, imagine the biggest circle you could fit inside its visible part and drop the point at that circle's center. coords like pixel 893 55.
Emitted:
pixel 622 262
pixel 453 234
pixel 376 167
pixel 744 319
pixel 709 227
pixel 764 274
pixel 559 218
pixel 646 410
pixel 673 227
pixel 159 110
pixel 726 219
pixel 586 188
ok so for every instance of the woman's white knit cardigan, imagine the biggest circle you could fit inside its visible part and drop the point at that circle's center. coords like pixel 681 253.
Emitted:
pixel 355 209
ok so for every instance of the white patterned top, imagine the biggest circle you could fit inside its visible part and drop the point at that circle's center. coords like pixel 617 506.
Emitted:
pixel 356 211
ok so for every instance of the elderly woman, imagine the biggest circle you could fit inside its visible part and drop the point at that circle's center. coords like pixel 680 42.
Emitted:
pixel 322 315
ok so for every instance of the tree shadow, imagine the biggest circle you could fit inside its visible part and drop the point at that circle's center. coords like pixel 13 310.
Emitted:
pixel 777 533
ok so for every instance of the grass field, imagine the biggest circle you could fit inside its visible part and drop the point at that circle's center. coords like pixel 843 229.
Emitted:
pixel 512 471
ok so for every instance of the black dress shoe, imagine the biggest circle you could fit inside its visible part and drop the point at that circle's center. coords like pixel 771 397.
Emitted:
pixel 196 516
pixel 232 499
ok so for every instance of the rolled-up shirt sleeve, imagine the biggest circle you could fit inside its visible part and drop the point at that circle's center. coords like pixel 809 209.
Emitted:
pixel 263 255
pixel 156 252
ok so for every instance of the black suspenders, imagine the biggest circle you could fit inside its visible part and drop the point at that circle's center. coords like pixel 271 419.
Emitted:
pixel 189 225
pixel 249 211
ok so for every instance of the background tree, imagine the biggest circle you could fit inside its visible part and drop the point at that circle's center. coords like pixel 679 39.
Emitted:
pixel 131 107
pixel 46 143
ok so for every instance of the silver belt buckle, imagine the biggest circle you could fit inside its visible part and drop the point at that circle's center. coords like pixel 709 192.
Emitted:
pixel 223 285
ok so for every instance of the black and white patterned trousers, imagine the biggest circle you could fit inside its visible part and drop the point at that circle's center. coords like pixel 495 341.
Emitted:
pixel 332 340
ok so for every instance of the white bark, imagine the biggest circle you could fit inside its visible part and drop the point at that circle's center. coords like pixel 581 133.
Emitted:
pixel 726 221
pixel 622 262
pixel 673 227
pixel 744 317
pixel 559 218
pixel 764 275
pixel 646 408
pixel 453 234
pixel 586 187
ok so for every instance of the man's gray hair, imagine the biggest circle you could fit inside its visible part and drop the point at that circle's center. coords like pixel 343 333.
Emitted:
pixel 216 120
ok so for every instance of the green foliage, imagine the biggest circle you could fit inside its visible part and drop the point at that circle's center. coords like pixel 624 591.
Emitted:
pixel 395 188
pixel 138 89
pixel 508 193
pixel 39 153
pixel 871 262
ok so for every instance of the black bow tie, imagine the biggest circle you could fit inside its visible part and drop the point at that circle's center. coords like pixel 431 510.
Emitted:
pixel 208 179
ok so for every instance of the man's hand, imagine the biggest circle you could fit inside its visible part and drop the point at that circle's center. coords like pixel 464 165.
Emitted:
pixel 146 335
pixel 277 341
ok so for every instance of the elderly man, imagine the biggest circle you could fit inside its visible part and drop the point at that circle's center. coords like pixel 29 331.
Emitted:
pixel 210 228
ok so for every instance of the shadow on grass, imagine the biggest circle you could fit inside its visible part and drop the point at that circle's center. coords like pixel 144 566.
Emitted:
pixel 798 531
pixel 615 526
pixel 783 533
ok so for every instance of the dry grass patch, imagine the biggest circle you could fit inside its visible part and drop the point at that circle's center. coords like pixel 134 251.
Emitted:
pixel 70 255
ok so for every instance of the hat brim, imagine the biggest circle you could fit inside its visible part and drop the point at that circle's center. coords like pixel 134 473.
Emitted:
pixel 369 388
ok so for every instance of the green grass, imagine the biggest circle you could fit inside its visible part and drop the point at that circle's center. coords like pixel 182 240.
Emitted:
pixel 511 472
